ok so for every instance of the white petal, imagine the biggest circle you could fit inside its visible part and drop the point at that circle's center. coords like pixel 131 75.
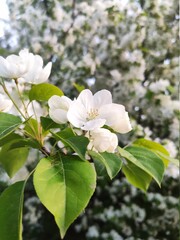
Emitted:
pixel 77 114
pixel 44 75
pixel 24 53
pixel 101 98
pixel 15 65
pixel 103 140
pixel 66 102
pixel 34 69
pixel 58 116
pixel 35 73
pixel 13 59
pixel 56 102
pixel 93 124
pixel 3 68
pixel 86 99
pixel 116 117
pixel 38 61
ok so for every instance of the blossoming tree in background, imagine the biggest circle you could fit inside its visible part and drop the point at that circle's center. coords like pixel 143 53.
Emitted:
pixel 127 47
pixel 85 128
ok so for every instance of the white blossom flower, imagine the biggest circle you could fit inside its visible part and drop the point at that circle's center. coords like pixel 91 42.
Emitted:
pixel 58 107
pixel 26 66
pixel 159 86
pixel 172 171
pixel 36 73
pixel 90 112
pixel 14 66
pixel 116 75
pixel 102 140
pixel 171 148
pixel 5 104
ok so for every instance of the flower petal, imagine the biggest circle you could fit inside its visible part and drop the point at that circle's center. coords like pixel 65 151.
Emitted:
pixel 56 102
pixel 116 117
pixel 86 99
pixel 93 124
pixel 102 97
pixel 44 74
pixel 103 140
pixel 3 68
pixel 77 114
pixel 58 116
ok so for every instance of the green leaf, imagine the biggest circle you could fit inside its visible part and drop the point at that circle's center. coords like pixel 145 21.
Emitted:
pixel 43 91
pixel 64 134
pixel 8 123
pixel 136 176
pixel 146 160
pixel 13 159
pixel 25 142
pixel 79 87
pixel 112 162
pixel 11 137
pixel 11 202
pixel 100 169
pixel 77 143
pixel 155 147
pixel 16 141
pixel 65 186
pixel 48 123
pixel 32 128
pixel 170 159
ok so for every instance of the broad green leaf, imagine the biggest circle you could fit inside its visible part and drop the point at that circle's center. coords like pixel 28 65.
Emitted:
pixel 13 159
pixel 151 145
pixel 136 176
pixel 100 169
pixel 170 159
pixel 43 91
pixel 77 143
pixel 155 147
pixel 14 140
pixel 11 202
pixel 65 186
pixel 8 123
pixel 64 134
pixel 25 142
pixel 48 123
pixel 112 162
pixel 11 137
pixel 146 160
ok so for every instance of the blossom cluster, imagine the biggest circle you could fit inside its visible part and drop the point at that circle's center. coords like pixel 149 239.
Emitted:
pixel 26 69
pixel 91 113
pixel 27 66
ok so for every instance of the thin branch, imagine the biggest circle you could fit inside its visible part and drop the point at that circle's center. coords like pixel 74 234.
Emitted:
pixel 45 151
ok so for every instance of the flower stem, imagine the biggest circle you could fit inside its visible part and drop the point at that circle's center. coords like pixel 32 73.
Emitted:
pixel 22 100
pixel 8 94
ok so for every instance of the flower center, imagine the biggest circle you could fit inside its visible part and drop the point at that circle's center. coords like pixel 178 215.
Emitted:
pixel 92 114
